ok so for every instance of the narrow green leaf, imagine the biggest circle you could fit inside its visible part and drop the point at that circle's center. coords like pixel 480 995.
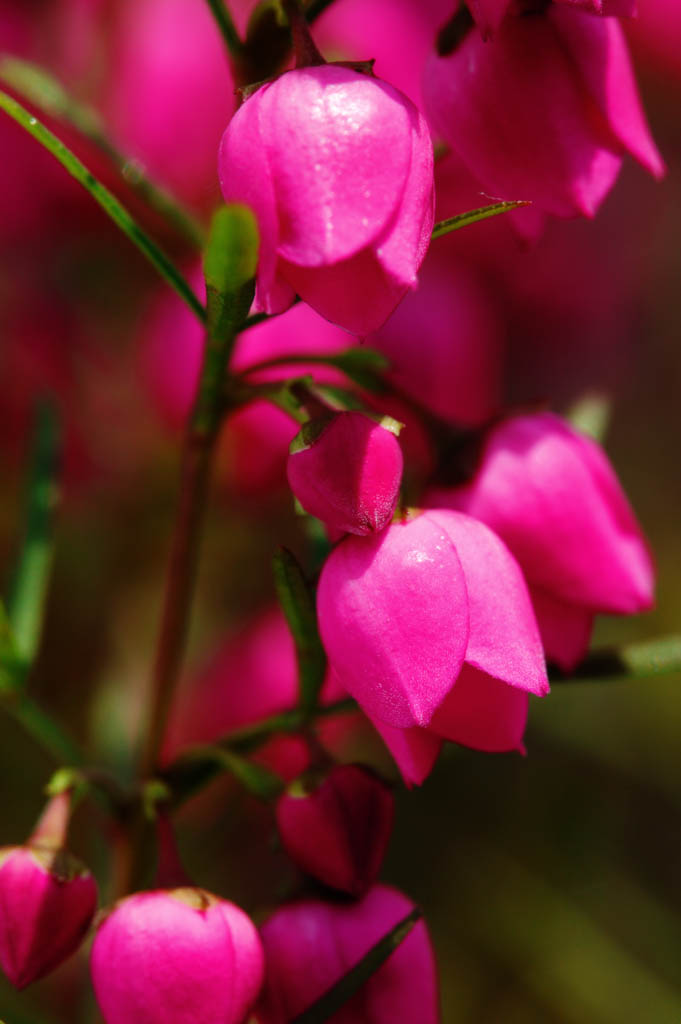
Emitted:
pixel 29 587
pixel 108 202
pixel 198 765
pixel 350 983
pixel 226 26
pixel 298 605
pixel 42 90
pixel 462 220
pixel 661 656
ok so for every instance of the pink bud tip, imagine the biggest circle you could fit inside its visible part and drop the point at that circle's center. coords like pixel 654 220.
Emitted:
pixel 180 955
pixel 347 472
pixel 47 901
pixel 337 830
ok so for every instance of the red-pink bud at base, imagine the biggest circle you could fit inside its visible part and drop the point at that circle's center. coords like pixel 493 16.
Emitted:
pixel 430 627
pixel 338 168
pixel 180 955
pixel 571 110
pixel 47 901
pixel 310 945
pixel 348 473
pixel 337 828
pixel 552 496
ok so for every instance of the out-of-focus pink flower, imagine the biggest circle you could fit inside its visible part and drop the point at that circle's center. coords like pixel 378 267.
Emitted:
pixel 347 472
pixel 545 110
pixel 47 899
pixel 552 495
pixel 338 168
pixel 178 954
pixel 170 92
pixel 310 945
pixel 490 13
pixel 430 627
pixel 656 36
pixel 337 828
pixel 444 342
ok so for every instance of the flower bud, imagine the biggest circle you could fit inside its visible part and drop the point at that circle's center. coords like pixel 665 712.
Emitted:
pixel 310 945
pixel 180 955
pixel 571 110
pixel 347 471
pixel 337 828
pixel 338 168
pixel 552 496
pixel 47 900
pixel 430 627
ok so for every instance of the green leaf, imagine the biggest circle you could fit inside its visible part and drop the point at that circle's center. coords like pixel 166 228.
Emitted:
pixel 39 88
pixel 298 605
pixel 364 366
pixel 344 989
pixel 108 202
pixel 226 27
pixel 31 578
pixel 229 264
pixel 591 415
pixel 462 220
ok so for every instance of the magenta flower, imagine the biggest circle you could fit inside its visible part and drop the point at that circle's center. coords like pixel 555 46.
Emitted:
pixel 47 901
pixel 430 627
pixel 180 955
pixel 545 111
pixel 553 497
pixel 347 472
pixel 338 168
pixel 337 828
pixel 309 945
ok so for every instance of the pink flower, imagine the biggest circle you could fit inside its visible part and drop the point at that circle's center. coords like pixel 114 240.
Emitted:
pixel 490 13
pixel 347 472
pixel 180 955
pixel 430 627
pixel 545 111
pixel 309 945
pixel 338 168
pixel 552 495
pixel 337 828
pixel 47 901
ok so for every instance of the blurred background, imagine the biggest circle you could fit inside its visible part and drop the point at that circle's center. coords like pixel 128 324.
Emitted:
pixel 551 882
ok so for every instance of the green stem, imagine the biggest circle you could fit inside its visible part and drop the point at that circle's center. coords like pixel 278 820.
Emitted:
pixel 661 656
pixel 108 202
pixel 43 729
pixel 39 88
pixel 227 28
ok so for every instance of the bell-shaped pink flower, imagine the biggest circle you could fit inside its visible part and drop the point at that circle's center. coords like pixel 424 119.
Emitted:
pixel 310 945
pixel 47 899
pixel 553 497
pixel 337 828
pixel 489 14
pixel 430 627
pixel 544 111
pixel 338 168
pixel 180 955
pixel 347 470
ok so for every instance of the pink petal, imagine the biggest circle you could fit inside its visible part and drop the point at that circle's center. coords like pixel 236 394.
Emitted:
pixel 482 713
pixel 565 628
pixel 504 637
pixel 415 750
pixel 598 48
pixel 338 144
pixel 245 177
pixel 488 14
pixel 393 617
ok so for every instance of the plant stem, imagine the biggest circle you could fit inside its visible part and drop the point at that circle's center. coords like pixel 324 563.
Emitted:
pixel 227 27
pixel 462 220
pixel 315 8
pixel 111 206
pixel 43 729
